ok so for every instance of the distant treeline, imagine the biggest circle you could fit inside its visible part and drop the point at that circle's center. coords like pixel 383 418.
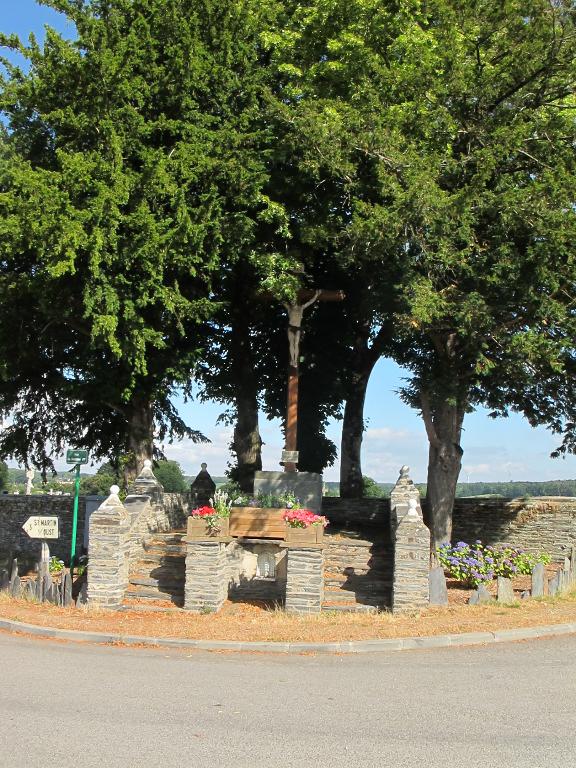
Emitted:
pixel 507 490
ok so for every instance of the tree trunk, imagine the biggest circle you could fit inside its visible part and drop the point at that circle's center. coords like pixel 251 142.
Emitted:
pixel 247 443
pixel 444 428
pixel 351 483
pixel 364 359
pixel 140 440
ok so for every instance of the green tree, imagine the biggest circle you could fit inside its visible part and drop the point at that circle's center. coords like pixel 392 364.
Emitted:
pixel 169 474
pixel 445 135
pixel 4 477
pixel 132 172
pixel 100 483
pixel 371 489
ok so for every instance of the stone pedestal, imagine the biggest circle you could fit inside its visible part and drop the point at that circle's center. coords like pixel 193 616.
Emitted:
pixel 206 586
pixel 108 554
pixel 307 486
pixel 305 579
pixel 410 590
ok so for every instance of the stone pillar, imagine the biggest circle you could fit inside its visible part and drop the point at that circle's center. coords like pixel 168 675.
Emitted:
pixel 410 589
pixel 147 486
pixel 108 554
pixel 304 579
pixel 206 586
pixel 401 494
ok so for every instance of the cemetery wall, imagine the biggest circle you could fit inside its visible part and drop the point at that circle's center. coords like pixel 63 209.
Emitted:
pixel 15 510
pixel 537 524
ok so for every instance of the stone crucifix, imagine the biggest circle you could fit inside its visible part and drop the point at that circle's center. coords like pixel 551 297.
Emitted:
pixel 305 299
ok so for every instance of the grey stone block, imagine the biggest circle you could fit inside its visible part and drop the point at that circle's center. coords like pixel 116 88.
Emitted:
pixel 538 580
pixel 82 598
pixel 66 589
pixel 505 590
pixel 554 585
pixel 15 586
pixel 438 588
pixel 479 596
pixel 47 587
pixel 307 486
pixel 4 579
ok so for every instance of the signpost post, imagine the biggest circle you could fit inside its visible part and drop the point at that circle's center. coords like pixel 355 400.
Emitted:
pixel 77 457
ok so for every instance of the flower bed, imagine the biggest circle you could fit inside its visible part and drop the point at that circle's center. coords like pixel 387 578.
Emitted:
pixel 475 564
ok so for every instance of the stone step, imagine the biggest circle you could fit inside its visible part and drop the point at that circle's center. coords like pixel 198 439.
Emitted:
pixel 162 557
pixel 142 566
pixel 148 607
pixel 369 578
pixel 156 548
pixel 168 536
pixel 149 593
pixel 174 585
pixel 350 608
pixel 373 598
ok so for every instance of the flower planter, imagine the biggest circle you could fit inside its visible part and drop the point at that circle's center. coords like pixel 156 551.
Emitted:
pixel 314 534
pixel 257 522
pixel 198 528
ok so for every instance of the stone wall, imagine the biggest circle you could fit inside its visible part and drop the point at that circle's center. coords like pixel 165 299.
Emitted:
pixel 356 512
pixel 544 524
pixel 15 510
pixel 538 524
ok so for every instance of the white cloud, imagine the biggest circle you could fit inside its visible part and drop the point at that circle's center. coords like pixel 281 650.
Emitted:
pixel 387 433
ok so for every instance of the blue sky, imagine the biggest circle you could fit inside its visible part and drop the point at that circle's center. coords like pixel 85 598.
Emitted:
pixel 501 449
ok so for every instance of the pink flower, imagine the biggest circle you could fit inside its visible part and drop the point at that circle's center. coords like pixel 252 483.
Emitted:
pixel 303 518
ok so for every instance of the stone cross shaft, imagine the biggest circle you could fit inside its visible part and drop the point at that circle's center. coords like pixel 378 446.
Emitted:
pixel 296 311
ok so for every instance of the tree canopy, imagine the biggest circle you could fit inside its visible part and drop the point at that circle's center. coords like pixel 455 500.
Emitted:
pixel 166 177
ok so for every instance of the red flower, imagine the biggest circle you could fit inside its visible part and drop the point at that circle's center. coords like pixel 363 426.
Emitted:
pixel 203 512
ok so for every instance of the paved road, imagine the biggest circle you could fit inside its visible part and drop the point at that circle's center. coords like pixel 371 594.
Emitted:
pixel 501 706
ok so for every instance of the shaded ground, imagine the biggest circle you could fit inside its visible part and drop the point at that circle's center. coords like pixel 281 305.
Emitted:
pixel 252 622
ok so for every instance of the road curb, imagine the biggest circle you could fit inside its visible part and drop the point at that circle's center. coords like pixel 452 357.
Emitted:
pixel 359 646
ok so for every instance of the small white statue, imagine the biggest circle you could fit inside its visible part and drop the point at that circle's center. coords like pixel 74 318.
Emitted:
pixel 29 481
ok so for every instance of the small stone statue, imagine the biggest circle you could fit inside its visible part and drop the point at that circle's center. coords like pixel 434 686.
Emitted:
pixel 203 487
pixel 29 481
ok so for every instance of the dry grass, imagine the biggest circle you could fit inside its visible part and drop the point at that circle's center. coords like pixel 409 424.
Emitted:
pixel 250 622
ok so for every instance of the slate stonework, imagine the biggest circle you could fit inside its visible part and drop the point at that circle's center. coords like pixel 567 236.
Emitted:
pixel 109 553
pixel 410 588
pixel 207 575
pixel 305 579
pixel 15 510
pixel 540 524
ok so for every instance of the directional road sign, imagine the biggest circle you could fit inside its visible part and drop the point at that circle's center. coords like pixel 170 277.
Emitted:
pixel 76 456
pixel 38 527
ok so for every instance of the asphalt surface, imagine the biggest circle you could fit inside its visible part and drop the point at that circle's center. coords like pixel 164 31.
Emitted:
pixel 501 706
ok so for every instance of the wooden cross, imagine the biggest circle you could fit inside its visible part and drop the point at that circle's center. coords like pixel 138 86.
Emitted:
pixel 305 299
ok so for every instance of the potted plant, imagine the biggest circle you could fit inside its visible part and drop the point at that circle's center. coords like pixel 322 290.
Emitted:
pixel 210 521
pixel 261 516
pixel 304 527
